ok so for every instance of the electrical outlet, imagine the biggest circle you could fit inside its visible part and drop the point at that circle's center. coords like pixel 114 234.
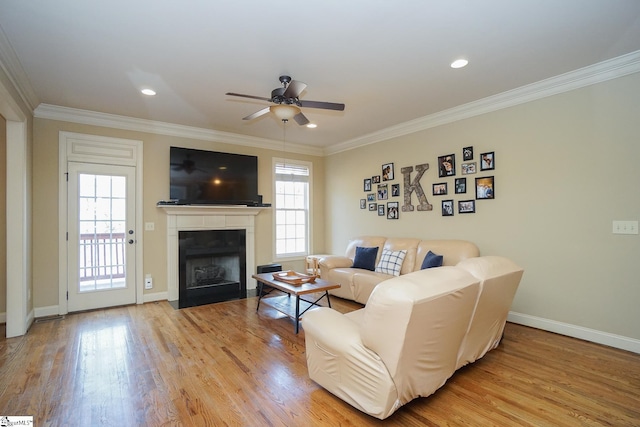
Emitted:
pixel 625 227
pixel 148 282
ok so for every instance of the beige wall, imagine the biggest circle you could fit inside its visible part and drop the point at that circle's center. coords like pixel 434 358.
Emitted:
pixel 566 166
pixel 155 188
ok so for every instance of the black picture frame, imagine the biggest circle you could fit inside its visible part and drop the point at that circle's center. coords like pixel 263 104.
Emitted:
pixel 461 185
pixel 375 179
pixel 447 165
pixel 485 188
pixel 393 210
pixel 387 172
pixel 466 206
pixel 373 206
pixel 439 189
pixel 367 184
pixel 447 208
pixel 467 154
pixel 487 161
pixel 469 168
pixel 371 197
pixel 363 203
pixel 383 191
pixel 381 210
pixel 395 190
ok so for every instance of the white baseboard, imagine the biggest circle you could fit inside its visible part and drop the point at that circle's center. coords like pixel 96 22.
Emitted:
pixel 599 337
pixel 51 310
pixel 156 296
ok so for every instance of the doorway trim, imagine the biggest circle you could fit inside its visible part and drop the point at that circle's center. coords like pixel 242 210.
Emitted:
pixel 19 307
pixel 98 149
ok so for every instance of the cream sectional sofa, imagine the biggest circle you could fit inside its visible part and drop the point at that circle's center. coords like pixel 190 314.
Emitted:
pixel 415 331
pixel 357 283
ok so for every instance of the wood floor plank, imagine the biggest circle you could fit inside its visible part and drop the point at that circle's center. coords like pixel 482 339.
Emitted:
pixel 228 364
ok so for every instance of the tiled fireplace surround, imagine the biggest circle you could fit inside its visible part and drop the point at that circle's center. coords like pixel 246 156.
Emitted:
pixel 209 217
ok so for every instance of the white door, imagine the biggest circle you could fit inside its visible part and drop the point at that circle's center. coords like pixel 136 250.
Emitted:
pixel 102 236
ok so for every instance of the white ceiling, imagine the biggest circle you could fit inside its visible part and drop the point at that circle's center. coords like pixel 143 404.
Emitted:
pixel 388 61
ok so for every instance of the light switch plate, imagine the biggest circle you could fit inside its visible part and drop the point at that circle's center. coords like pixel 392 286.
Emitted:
pixel 625 227
pixel 149 226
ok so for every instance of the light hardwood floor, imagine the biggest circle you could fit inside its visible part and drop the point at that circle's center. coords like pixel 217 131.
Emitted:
pixel 225 364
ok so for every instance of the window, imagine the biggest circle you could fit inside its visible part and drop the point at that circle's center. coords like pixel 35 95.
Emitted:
pixel 291 208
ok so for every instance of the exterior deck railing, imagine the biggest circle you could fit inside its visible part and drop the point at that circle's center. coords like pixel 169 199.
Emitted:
pixel 102 256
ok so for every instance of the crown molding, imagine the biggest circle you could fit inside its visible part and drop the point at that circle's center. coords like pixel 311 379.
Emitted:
pixel 597 73
pixel 593 74
pixel 12 68
pixel 74 115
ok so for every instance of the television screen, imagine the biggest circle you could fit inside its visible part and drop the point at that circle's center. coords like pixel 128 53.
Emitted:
pixel 210 177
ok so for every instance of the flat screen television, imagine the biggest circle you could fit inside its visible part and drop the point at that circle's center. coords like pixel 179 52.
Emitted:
pixel 200 177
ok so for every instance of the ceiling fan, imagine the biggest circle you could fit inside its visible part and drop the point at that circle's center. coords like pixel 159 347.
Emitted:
pixel 287 102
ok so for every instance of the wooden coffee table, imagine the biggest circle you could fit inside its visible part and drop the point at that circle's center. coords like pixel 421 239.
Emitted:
pixel 283 303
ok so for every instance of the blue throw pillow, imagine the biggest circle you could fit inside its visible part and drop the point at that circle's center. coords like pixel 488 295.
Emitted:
pixel 365 258
pixel 432 260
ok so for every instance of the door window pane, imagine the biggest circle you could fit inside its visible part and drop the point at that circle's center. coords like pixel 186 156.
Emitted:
pixel 102 227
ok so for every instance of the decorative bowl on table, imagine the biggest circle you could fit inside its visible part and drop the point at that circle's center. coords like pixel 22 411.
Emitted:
pixel 294 278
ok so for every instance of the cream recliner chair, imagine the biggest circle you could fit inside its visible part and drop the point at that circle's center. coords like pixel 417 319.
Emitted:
pixel 408 340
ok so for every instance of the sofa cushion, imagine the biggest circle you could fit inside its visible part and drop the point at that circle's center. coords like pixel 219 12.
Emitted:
pixel 391 262
pixel 343 276
pixel 364 282
pixel 410 245
pixel 365 258
pixel 365 242
pixel 452 251
pixel 432 260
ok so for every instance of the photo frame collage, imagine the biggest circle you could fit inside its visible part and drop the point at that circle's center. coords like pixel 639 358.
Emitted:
pixel 379 193
pixel 483 187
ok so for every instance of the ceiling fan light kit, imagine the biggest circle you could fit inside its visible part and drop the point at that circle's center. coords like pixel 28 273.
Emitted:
pixel 284 111
pixel 287 102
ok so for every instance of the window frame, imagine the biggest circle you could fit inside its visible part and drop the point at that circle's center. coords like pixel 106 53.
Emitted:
pixel 308 210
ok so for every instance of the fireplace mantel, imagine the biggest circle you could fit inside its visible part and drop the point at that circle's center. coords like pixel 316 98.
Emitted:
pixel 208 217
pixel 212 209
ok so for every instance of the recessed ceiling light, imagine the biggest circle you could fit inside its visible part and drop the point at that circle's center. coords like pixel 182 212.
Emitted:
pixel 149 92
pixel 312 125
pixel 459 63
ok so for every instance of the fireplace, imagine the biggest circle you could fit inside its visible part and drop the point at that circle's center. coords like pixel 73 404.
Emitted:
pixel 212 266
pixel 204 218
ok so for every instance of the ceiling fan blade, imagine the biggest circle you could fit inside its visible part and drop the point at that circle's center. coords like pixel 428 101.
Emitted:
pixel 301 119
pixel 323 105
pixel 294 89
pixel 248 96
pixel 256 114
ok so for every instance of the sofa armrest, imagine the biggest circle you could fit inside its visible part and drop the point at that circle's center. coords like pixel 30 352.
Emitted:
pixel 333 349
pixel 333 261
pixel 322 324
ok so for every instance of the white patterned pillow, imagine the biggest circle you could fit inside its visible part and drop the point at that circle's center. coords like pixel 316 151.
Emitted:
pixel 391 262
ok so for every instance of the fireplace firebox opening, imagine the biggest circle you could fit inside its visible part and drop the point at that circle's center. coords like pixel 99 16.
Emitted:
pixel 212 266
